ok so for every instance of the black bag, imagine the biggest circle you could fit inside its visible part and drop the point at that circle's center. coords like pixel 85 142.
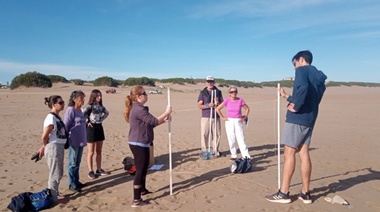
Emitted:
pixel 241 165
pixel 67 144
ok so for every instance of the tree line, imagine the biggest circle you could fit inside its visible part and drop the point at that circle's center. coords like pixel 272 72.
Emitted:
pixel 36 79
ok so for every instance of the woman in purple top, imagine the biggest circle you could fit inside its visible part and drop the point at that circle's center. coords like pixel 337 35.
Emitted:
pixel 234 122
pixel 141 135
pixel 75 124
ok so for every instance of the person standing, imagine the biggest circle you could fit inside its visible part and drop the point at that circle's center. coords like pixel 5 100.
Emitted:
pixel 234 121
pixel 302 111
pixel 141 135
pixel 53 140
pixel 95 113
pixel 205 103
pixel 75 123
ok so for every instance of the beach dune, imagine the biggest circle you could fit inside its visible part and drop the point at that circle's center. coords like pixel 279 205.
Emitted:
pixel 344 152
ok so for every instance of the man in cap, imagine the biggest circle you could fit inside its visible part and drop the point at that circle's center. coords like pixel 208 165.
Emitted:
pixel 205 103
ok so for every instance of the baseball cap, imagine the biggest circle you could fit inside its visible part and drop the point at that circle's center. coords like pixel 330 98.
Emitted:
pixel 210 78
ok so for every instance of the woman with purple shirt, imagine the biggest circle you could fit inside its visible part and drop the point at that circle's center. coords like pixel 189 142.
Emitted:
pixel 141 135
pixel 75 123
pixel 234 122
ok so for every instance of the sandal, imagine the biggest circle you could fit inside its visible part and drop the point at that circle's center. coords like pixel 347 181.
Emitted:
pixel 138 203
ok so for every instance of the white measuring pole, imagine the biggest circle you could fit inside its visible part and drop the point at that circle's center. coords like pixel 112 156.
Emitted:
pixel 209 127
pixel 170 149
pixel 215 134
pixel 278 137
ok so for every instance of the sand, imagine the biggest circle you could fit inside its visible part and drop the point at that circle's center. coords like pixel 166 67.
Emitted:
pixel 344 151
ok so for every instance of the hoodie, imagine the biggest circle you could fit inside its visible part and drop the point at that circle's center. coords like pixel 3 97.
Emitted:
pixel 308 89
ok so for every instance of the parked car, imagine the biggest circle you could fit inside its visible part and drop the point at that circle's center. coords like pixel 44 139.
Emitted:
pixel 155 92
pixel 112 90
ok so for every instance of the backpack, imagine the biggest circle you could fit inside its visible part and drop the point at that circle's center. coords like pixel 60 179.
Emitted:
pixel 41 200
pixel 241 165
pixel 129 165
pixel 67 144
pixel 27 201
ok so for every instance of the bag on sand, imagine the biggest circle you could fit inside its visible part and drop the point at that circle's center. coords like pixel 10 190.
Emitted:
pixel 241 165
pixel 41 200
pixel 28 201
pixel 129 165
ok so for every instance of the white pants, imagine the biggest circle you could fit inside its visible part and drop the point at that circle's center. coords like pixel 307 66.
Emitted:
pixel 235 132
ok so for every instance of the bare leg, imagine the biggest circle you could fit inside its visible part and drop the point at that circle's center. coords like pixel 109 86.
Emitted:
pixel 305 167
pixel 99 147
pixel 289 166
pixel 90 154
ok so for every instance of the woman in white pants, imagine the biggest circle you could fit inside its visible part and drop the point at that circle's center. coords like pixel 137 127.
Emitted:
pixel 234 121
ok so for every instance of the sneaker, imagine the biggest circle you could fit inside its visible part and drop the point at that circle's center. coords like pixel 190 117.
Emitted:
pixel 145 192
pixel 76 189
pixel 138 203
pixel 91 175
pixel 279 197
pixel 217 154
pixel 101 172
pixel 306 198
pixel 81 185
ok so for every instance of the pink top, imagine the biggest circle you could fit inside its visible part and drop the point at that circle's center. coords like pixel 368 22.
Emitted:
pixel 233 107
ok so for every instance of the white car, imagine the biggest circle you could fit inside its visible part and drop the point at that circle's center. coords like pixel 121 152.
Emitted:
pixel 155 92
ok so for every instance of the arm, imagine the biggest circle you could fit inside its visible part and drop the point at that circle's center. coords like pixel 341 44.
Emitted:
pixel 105 114
pixel 165 116
pixel 300 90
pixel 204 106
pixel 246 108
pixel 218 110
pixel 48 128
pixel 68 119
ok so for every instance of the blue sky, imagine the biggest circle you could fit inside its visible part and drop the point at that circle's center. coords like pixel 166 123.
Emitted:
pixel 251 40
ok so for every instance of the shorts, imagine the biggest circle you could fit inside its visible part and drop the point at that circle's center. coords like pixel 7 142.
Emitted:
pixel 295 135
pixel 95 133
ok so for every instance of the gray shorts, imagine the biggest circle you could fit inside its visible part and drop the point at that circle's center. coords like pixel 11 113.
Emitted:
pixel 294 135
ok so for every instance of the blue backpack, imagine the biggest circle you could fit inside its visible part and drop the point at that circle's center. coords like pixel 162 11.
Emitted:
pixel 241 165
pixel 41 200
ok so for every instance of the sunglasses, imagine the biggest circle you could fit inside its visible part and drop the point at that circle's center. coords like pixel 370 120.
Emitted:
pixel 144 93
pixel 233 91
pixel 61 102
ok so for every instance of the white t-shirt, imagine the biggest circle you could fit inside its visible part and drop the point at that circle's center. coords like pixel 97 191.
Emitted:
pixel 58 134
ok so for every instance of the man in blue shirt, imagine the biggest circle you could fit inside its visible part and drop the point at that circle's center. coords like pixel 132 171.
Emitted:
pixel 308 90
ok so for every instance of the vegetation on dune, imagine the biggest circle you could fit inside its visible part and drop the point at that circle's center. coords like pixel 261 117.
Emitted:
pixel 139 81
pixel 106 81
pixel 35 79
pixel 57 78
pixel 78 81
pixel 31 79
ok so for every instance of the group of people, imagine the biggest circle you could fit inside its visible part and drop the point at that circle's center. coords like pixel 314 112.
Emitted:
pixel 302 111
pixel 209 99
pixel 84 127
pixel 81 127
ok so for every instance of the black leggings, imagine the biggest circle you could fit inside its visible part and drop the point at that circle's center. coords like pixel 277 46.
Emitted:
pixel 141 156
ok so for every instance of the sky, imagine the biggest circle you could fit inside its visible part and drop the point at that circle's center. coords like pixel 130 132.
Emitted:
pixel 246 40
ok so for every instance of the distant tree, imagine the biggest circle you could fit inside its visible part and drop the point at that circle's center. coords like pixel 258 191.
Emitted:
pixel 77 81
pixel 31 79
pixel 57 78
pixel 106 81
pixel 139 81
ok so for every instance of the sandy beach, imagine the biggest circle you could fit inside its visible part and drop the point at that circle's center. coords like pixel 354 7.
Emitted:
pixel 344 151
